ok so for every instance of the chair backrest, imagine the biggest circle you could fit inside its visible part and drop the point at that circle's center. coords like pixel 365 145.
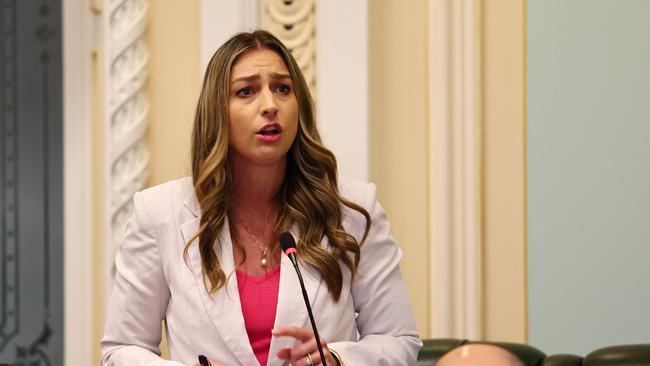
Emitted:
pixel 626 355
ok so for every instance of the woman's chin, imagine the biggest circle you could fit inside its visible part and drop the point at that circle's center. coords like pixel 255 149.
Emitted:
pixel 266 159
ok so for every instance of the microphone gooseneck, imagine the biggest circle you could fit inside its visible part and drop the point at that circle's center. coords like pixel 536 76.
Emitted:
pixel 288 244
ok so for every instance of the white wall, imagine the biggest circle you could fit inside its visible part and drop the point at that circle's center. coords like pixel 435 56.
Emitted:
pixel 220 20
pixel 342 82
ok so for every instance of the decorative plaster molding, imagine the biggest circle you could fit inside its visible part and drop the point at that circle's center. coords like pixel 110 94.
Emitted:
pixel 294 23
pixel 9 309
pixel 126 110
pixel 455 167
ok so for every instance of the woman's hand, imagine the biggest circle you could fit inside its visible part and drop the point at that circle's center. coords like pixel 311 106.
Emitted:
pixel 304 353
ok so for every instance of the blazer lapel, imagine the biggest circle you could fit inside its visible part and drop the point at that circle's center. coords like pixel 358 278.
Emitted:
pixel 291 310
pixel 224 306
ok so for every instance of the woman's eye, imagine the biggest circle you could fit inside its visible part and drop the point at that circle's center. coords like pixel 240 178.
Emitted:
pixel 245 92
pixel 283 89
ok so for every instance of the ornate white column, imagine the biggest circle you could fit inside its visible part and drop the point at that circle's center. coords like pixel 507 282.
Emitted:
pixel 294 23
pixel 123 57
pixel 455 168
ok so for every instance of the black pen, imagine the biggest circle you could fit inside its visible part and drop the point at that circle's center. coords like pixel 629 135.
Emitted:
pixel 203 361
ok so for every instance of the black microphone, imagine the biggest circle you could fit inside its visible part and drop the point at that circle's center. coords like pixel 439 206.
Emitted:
pixel 288 244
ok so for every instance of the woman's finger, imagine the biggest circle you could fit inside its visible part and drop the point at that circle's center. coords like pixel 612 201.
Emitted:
pixel 284 354
pixel 298 333
pixel 315 359
pixel 302 349
pixel 299 353
pixel 306 346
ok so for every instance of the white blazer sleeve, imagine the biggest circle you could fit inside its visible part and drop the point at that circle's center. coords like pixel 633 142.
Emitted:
pixel 385 321
pixel 139 299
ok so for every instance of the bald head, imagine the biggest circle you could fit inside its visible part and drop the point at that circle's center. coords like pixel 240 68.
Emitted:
pixel 479 355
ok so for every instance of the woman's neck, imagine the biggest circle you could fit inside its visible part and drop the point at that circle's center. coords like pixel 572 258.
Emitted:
pixel 255 187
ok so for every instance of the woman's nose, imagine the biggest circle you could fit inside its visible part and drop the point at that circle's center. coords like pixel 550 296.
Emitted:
pixel 269 106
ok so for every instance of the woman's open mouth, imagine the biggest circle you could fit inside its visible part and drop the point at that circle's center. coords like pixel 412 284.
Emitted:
pixel 270 132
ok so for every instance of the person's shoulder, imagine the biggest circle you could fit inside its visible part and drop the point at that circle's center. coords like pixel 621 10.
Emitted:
pixel 168 196
pixel 357 191
pixel 181 186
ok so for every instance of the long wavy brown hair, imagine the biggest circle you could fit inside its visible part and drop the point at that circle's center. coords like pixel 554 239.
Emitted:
pixel 309 195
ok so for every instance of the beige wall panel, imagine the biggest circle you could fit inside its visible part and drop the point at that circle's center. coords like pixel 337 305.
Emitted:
pixel 174 41
pixel 173 38
pixel 398 134
pixel 504 171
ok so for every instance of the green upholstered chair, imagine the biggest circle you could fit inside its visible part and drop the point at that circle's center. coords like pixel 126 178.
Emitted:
pixel 627 355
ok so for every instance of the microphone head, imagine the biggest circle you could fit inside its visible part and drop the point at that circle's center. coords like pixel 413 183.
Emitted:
pixel 288 243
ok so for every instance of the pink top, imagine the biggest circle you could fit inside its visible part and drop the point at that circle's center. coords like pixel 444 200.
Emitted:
pixel 259 300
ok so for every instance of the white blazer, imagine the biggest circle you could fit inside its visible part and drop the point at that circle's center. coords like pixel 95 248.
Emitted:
pixel 371 324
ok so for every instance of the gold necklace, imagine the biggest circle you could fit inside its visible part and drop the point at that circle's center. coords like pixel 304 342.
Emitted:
pixel 264 250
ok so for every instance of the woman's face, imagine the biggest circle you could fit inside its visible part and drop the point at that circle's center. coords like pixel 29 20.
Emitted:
pixel 263 109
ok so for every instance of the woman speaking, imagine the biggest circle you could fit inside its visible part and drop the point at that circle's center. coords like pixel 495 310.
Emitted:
pixel 202 253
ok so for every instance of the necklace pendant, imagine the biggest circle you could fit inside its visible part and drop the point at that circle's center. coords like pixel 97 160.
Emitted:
pixel 264 261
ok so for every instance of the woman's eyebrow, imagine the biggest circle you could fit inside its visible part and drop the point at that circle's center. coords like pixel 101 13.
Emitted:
pixel 276 75
pixel 245 78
